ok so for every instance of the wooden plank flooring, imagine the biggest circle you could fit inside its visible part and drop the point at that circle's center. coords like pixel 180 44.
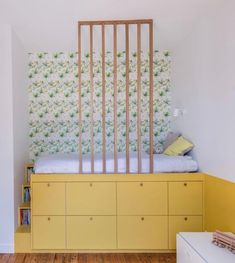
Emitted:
pixel 87 258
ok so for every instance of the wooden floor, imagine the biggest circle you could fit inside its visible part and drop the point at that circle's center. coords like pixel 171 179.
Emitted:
pixel 88 258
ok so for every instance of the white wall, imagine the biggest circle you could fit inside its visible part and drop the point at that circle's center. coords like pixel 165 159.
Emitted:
pixel 13 132
pixel 6 143
pixel 52 25
pixel 20 116
pixel 204 84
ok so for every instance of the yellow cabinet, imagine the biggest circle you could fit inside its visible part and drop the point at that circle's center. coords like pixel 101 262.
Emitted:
pixel 183 224
pixel 48 232
pixel 91 232
pixel 142 198
pixel 142 232
pixel 90 198
pixel 48 198
pixel 185 198
pixel 128 212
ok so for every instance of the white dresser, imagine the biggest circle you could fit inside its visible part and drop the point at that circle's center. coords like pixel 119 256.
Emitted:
pixel 197 248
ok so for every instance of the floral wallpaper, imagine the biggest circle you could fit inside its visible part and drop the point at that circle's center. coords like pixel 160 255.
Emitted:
pixel 53 102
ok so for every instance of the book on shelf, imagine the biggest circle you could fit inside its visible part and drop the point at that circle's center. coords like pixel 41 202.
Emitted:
pixel 25 216
pixel 26 194
pixel 28 172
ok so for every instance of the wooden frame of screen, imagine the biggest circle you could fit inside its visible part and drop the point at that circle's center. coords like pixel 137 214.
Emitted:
pixel 114 24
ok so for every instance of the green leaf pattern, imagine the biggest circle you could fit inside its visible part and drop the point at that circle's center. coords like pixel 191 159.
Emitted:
pixel 53 101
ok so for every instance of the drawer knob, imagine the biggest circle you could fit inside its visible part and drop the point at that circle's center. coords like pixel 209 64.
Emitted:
pixel 141 184
pixel 48 185
pixel 185 219
pixel 185 184
pixel 91 218
pixel 48 218
pixel 90 184
pixel 142 218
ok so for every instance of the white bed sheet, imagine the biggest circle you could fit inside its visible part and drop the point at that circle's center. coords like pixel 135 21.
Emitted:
pixel 69 163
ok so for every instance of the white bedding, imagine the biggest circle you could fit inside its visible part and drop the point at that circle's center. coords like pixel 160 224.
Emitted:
pixel 69 163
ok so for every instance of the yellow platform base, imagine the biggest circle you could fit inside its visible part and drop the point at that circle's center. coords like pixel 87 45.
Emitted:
pixel 23 239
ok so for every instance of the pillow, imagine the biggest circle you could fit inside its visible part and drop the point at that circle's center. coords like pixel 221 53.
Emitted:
pixel 179 147
pixel 170 138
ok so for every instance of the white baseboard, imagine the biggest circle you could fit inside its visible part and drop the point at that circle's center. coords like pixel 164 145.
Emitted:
pixel 7 248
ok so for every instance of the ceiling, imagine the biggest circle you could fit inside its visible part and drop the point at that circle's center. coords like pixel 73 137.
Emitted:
pixel 50 25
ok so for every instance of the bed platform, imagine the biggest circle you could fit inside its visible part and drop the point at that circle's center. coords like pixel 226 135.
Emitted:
pixel 69 163
pixel 119 202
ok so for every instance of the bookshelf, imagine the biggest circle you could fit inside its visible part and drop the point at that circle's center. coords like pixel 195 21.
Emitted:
pixel 24 210
pixel 23 231
pixel 28 172
pixel 24 214
pixel 26 193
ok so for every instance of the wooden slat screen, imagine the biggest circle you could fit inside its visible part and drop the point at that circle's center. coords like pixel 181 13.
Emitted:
pixel 115 24
pixel 139 97
pixel 127 100
pixel 80 97
pixel 115 97
pixel 151 96
pixel 91 99
pixel 103 100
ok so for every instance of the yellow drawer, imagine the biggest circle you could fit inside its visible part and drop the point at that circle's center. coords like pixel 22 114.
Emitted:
pixel 142 198
pixel 185 198
pixel 91 198
pixel 48 232
pixel 142 232
pixel 91 232
pixel 48 198
pixel 183 224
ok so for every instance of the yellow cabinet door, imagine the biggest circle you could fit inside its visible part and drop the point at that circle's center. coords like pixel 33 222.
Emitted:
pixel 183 224
pixel 90 198
pixel 142 232
pixel 48 232
pixel 48 198
pixel 142 198
pixel 185 198
pixel 91 232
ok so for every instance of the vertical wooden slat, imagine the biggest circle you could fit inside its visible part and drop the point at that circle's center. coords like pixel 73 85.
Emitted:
pixel 151 96
pixel 139 97
pixel 127 100
pixel 103 100
pixel 80 97
pixel 115 95
pixel 91 100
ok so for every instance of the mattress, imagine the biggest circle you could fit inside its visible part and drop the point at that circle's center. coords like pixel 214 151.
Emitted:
pixel 69 163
